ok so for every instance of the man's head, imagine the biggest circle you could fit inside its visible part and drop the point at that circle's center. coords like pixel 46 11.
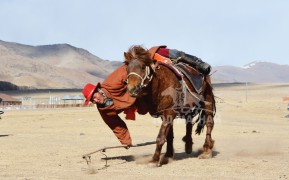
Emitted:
pixel 90 92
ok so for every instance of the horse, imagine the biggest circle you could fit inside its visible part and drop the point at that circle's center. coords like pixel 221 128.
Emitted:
pixel 167 98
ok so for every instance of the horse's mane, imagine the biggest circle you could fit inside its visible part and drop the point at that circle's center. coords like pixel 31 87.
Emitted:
pixel 137 52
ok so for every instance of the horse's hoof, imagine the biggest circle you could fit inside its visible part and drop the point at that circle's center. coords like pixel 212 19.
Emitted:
pixel 189 151
pixel 205 155
pixel 165 160
pixel 188 148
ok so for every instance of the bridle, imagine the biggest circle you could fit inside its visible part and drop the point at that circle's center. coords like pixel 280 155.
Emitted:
pixel 148 75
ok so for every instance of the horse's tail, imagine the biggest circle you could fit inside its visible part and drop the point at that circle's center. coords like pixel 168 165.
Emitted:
pixel 208 91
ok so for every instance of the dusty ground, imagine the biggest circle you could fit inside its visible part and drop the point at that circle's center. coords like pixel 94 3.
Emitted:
pixel 251 142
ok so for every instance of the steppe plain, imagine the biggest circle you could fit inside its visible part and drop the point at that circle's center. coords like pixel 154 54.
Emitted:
pixel 251 141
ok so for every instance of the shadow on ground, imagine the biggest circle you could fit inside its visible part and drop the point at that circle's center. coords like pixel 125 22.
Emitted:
pixel 126 158
pixel 5 135
pixel 194 154
pixel 177 156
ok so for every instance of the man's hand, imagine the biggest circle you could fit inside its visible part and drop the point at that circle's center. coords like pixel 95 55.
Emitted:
pixel 127 146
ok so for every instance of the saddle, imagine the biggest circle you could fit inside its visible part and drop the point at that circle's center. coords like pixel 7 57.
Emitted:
pixel 181 70
pixel 195 78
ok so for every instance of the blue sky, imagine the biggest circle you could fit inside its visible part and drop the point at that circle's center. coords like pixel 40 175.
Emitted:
pixel 221 32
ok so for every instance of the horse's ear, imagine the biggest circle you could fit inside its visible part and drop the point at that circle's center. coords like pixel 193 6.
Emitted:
pixel 127 56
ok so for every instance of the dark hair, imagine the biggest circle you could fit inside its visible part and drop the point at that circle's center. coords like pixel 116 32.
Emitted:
pixel 137 52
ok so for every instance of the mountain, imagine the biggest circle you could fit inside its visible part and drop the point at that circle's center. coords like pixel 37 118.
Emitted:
pixel 51 66
pixel 62 66
pixel 255 72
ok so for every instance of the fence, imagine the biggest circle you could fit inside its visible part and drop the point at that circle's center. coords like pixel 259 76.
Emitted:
pixel 28 102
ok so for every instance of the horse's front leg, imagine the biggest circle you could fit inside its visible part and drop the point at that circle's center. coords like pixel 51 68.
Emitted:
pixel 166 132
pixel 170 147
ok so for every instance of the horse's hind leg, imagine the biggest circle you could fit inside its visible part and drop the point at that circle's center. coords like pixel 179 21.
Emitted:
pixel 210 108
pixel 209 142
pixel 188 137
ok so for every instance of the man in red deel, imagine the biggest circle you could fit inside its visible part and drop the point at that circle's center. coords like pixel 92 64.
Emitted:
pixel 112 98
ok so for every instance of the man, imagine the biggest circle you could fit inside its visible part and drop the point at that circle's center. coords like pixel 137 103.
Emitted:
pixel 112 98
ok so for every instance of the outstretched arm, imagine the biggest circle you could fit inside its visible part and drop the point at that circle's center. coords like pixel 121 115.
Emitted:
pixel 118 126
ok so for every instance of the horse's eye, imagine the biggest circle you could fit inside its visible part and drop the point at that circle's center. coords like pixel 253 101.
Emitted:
pixel 143 67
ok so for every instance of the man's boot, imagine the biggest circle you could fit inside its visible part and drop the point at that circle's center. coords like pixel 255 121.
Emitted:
pixel 193 61
pixel 196 63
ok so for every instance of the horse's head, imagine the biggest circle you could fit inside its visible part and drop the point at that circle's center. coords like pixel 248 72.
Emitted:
pixel 139 72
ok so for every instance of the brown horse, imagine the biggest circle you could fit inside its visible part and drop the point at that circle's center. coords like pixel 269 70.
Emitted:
pixel 168 97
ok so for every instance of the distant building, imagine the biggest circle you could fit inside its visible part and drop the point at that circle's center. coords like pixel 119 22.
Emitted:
pixel 6 100
pixel 78 99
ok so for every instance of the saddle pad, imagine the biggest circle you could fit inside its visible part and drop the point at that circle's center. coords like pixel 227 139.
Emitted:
pixel 172 68
pixel 195 78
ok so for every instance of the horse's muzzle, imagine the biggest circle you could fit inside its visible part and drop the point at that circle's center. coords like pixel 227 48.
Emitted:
pixel 134 91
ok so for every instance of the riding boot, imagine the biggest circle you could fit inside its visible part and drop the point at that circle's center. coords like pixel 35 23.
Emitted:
pixel 193 61
pixel 196 63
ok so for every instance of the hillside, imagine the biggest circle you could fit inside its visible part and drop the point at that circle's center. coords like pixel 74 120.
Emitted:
pixel 255 72
pixel 51 66
pixel 62 66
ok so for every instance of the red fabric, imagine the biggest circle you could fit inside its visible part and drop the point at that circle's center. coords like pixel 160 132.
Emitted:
pixel 118 126
pixel 115 88
pixel 154 49
pixel 163 51
pixel 130 113
pixel 161 58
